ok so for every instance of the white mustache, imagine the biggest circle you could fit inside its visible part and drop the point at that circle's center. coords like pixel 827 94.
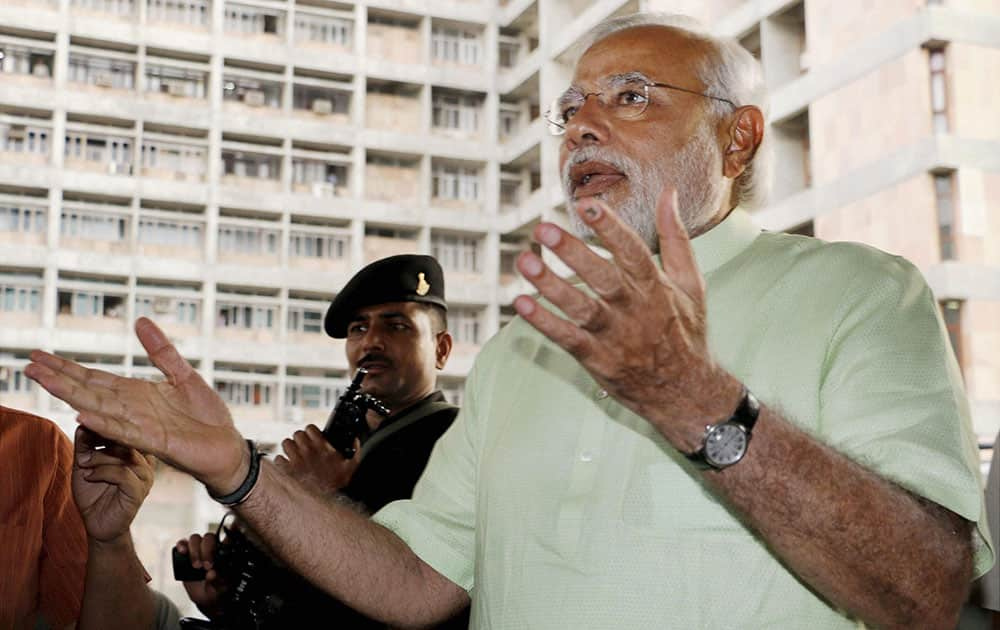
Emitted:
pixel 621 163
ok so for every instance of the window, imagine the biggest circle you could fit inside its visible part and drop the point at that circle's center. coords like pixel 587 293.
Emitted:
pixel 305 320
pixel 191 12
pixel 182 311
pixel 92 226
pixel 13 381
pixel 464 323
pixel 15 218
pixel 174 81
pixel 313 396
pixel 180 158
pixel 248 240
pixel 318 29
pixel 246 316
pixel 457 111
pixel 456 182
pixel 101 71
pixel 24 139
pixel 247 20
pixel 306 171
pixel 168 232
pixel 253 165
pixel 23 60
pixel 321 100
pixel 510 50
pixel 251 91
pixel 456 46
pixel 100 148
pixel 87 303
pixel 510 119
pixel 240 393
pixel 456 253
pixel 20 299
pixel 331 246
pixel 944 197
pixel 939 91
pixel 117 7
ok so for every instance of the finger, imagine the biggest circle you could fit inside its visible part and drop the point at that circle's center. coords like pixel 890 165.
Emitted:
pixel 119 476
pixel 114 429
pixel 291 450
pixel 208 545
pixel 182 546
pixel 589 313
pixel 72 391
pixel 161 352
pixel 676 254
pixel 566 334
pixel 104 458
pixel 598 273
pixel 315 435
pixel 631 254
pixel 281 463
pixel 73 370
pixel 194 549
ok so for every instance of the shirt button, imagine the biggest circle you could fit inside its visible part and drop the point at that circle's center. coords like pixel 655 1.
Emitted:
pixel 601 395
pixel 587 456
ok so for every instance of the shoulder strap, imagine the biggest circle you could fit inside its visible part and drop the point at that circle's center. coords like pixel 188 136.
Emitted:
pixel 397 426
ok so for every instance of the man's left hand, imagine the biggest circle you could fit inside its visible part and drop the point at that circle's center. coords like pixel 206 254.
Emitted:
pixel 311 460
pixel 642 333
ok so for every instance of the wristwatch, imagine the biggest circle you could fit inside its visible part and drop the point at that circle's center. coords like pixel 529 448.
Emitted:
pixel 725 443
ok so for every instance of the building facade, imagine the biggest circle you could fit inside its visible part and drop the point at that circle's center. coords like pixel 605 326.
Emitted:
pixel 223 166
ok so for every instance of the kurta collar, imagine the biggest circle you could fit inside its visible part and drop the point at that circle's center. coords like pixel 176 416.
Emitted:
pixel 725 241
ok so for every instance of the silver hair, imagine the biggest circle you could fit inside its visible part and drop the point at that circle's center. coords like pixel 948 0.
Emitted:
pixel 731 73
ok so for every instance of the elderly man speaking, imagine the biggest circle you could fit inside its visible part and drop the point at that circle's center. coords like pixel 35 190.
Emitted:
pixel 716 428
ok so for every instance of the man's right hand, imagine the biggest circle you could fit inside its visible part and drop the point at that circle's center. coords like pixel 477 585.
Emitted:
pixel 206 594
pixel 181 420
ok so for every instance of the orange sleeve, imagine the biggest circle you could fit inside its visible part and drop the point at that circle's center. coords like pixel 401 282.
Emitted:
pixel 63 560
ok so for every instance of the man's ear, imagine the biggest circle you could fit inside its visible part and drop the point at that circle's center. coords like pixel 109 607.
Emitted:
pixel 745 135
pixel 443 349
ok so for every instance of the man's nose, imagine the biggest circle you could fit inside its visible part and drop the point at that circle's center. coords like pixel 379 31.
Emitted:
pixel 373 339
pixel 589 125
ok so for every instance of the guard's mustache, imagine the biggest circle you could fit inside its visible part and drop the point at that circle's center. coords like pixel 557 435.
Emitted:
pixel 374 358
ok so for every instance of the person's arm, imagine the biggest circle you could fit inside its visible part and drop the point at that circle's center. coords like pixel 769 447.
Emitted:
pixel 863 543
pixel 109 485
pixel 183 421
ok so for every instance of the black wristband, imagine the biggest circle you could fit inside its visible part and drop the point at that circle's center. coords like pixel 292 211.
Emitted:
pixel 242 493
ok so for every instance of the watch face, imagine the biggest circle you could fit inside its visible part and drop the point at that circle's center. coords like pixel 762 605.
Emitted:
pixel 726 444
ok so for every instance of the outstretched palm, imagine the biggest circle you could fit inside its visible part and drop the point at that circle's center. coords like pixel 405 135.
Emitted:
pixel 180 420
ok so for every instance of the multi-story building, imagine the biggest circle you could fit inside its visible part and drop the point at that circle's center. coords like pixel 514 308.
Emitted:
pixel 223 166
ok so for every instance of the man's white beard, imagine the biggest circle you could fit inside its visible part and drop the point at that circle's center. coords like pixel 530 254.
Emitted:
pixel 693 171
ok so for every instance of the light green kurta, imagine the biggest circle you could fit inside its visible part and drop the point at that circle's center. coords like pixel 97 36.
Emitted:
pixel 559 508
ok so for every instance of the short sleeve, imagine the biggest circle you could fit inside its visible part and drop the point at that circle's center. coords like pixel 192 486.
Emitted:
pixel 892 396
pixel 63 560
pixel 439 522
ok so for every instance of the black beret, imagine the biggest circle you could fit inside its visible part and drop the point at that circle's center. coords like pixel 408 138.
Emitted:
pixel 404 278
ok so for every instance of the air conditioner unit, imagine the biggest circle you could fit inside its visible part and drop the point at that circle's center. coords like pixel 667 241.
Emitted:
pixel 161 305
pixel 119 168
pixel 104 79
pixel 322 106
pixel 41 70
pixel 176 89
pixel 4 373
pixel 254 98
pixel 16 132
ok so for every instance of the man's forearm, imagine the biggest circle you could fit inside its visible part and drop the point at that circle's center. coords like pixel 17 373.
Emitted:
pixel 354 559
pixel 115 592
pixel 865 544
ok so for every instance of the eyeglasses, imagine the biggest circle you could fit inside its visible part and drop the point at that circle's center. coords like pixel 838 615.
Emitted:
pixel 624 96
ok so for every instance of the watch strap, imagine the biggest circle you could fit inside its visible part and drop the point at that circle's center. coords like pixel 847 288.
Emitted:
pixel 242 493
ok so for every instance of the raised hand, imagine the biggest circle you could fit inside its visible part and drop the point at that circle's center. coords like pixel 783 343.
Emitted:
pixel 180 420
pixel 311 461
pixel 109 485
pixel 641 335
